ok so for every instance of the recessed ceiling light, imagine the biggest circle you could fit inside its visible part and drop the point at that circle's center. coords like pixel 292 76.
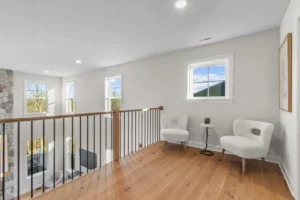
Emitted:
pixel 78 62
pixel 180 4
pixel 46 71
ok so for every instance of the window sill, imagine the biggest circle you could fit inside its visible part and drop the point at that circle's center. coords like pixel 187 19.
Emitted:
pixel 211 100
pixel 36 114
pixel 37 174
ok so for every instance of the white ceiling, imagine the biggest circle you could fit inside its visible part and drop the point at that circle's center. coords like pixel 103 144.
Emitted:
pixel 39 35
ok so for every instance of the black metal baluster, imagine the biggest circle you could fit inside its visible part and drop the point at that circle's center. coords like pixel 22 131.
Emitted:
pixel 72 147
pixel 94 136
pixel 87 144
pixel 18 194
pixel 80 145
pixel 63 150
pixel 100 130
pixel 3 162
pixel 124 131
pixel 54 144
pixel 31 170
pixel 43 156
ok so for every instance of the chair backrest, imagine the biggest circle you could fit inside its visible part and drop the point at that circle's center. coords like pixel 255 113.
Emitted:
pixel 260 131
pixel 174 122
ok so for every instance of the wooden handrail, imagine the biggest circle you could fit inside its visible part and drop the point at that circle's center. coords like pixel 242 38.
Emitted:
pixel 26 119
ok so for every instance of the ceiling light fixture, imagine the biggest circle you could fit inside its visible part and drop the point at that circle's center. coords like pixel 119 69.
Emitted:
pixel 46 71
pixel 180 4
pixel 78 62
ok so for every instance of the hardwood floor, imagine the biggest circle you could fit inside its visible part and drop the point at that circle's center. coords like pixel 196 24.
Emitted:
pixel 175 174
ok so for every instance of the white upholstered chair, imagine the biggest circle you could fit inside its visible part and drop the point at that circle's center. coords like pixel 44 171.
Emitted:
pixel 251 139
pixel 174 129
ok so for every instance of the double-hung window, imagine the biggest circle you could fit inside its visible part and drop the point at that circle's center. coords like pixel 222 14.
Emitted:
pixel 210 79
pixel 113 93
pixel 35 98
pixel 70 98
pixel 39 147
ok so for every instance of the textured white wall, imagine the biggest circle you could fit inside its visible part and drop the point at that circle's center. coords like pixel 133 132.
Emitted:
pixel 290 139
pixel 160 81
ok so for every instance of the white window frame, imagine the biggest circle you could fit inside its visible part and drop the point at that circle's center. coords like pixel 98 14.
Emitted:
pixel 25 98
pixel 107 98
pixel 226 59
pixel 25 161
pixel 66 99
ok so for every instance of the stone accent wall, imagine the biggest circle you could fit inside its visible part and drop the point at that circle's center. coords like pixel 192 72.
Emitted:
pixel 6 110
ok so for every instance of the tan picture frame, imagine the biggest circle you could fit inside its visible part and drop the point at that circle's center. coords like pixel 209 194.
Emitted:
pixel 285 74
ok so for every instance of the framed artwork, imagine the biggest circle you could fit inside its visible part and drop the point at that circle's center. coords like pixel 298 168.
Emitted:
pixel 285 74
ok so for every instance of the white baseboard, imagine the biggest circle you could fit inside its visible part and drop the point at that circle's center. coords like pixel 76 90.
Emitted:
pixel 218 148
pixel 287 178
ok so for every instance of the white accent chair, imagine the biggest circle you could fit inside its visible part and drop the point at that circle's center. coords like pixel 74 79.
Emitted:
pixel 174 129
pixel 251 139
pixel 58 179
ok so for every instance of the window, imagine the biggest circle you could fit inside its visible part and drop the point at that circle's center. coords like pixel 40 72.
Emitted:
pixel 113 93
pixel 37 152
pixel 35 98
pixel 70 143
pixel 70 98
pixel 6 156
pixel 210 78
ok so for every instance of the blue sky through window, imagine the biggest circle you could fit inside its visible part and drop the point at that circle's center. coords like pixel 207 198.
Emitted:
pixel 205 77
pixel 32 88
pixel 70 91
pixel 115 87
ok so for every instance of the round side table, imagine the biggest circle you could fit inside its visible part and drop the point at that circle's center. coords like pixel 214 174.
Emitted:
pixel 205 151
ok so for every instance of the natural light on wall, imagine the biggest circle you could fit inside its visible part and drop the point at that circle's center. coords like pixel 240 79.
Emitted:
pixel 70 97
pixel 51 101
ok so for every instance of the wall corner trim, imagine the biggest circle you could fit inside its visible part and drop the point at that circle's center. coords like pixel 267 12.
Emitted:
pixel 287 178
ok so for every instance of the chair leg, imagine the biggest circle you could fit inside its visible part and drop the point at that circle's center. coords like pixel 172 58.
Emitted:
pixel 222 154
pixel 184 146
pixel 164 145
pixel 263 159
pixel 244 165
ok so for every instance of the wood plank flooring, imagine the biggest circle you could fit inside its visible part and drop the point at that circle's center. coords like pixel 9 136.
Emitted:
pixel 175 174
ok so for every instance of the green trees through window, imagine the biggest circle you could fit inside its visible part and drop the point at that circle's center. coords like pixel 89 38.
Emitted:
pixel 36 98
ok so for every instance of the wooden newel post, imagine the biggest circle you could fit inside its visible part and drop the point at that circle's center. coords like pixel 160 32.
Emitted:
pixel 116 136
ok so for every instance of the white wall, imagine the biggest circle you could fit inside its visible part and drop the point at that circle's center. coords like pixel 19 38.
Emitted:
pixel 54 107
pixel 160 81
pixel 289 121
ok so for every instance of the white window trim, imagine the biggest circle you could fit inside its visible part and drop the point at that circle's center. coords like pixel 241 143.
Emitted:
pixel 68 83
pixel 228 74
pixel 106 99
pixel 25 105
